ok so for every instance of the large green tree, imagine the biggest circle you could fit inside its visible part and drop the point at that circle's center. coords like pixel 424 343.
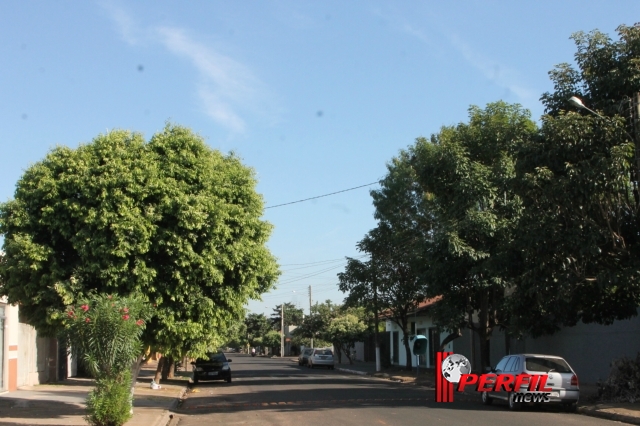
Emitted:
pixel 391 280
pixel 257 326
pixel 292 315
pixel 578 237
pixel 467 171
pixel 170 218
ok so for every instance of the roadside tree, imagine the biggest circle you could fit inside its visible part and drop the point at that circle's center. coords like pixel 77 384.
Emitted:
pixel 344 331
pixel 467 172
pixel 170 219
pixel 578 237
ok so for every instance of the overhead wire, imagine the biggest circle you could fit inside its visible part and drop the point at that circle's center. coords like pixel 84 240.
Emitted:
pixel 320 196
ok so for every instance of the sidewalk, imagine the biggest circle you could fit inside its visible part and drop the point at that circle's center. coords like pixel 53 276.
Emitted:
pixel 63 403
pixel 619 411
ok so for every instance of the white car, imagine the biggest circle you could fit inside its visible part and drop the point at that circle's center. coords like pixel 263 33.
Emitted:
pixel 561 378
pixel 321 358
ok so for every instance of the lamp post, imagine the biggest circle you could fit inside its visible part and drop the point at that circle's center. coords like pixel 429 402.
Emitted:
pixel 577 102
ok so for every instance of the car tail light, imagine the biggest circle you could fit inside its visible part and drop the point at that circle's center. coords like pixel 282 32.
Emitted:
pixel 574 380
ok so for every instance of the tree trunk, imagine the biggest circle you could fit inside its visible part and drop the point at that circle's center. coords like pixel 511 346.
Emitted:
pixel 347 352
pixel 135 370
pixel 158 375
pixel 407 348
pixel 167 368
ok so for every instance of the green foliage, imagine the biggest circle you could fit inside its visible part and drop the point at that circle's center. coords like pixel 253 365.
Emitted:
pixel 344 331
pixel 271 339
pixel 106 330
pixel 391 280
pixel 316 325
pixel 257 325
pixel 467 170
pixel 109 403
pixel 623 383
pixel 292 315
pixel 578 183
pixel 170 219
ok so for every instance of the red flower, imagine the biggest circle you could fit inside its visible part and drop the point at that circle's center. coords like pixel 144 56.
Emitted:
pixel 70 313
pixel 87 320
pixel 139 322
pixel 109 297
pixel 125 310
pixel 84 307
pixel 125 317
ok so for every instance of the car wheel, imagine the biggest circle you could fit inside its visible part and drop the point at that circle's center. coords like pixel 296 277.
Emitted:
pixel 514 406
pixel 571 408
pixel 229 379
pixel 311 365
pixel 486 399
pixel 299 362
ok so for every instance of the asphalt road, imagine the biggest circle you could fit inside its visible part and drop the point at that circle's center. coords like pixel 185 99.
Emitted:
pixel 278 392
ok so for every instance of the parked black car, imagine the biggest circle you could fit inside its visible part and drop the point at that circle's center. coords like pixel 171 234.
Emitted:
pixel 214 367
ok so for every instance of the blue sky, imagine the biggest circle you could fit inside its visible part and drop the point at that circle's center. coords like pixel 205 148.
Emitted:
pixel 315 96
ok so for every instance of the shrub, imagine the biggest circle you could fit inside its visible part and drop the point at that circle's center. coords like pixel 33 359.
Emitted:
pixel 109 403
pixel 623 383
pixel 104 332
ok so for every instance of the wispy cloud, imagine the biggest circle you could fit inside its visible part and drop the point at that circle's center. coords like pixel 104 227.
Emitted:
pixel 439 36
pixel 225 86
pixel 124 23
pixel 499 74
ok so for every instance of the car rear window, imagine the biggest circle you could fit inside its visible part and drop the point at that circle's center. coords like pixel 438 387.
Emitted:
pixel 213 357
pixel 324 352
pixel 558 365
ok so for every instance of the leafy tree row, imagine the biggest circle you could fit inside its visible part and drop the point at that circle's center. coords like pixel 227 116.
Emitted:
pixel 516 225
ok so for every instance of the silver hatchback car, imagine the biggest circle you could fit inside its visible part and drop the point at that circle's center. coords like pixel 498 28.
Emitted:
pixel 321 357
pixel 561 378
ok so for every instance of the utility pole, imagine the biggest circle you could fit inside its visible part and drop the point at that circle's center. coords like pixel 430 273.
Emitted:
pixel 377 321
pixel 281 330
pixel 310 315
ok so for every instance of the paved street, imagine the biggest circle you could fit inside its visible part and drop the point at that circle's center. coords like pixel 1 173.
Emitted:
pixel 279 392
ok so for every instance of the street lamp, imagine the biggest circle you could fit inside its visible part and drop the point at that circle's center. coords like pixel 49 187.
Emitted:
pixel 577 102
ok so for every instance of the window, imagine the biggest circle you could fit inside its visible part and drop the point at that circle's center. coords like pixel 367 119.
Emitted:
pixel 500 367
pixel 547 364
pixel 516 365
pixel 509 366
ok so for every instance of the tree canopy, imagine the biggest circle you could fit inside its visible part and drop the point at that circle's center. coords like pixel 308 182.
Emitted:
pixel 579 185
pixel 170 219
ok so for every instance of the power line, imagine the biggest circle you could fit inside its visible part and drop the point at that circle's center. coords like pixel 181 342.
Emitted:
pixel 320 196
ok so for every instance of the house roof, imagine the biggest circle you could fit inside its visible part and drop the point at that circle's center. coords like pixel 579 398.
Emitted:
pixel 422 307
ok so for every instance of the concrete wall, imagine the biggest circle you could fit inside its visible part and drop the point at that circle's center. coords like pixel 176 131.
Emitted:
pixel 588 348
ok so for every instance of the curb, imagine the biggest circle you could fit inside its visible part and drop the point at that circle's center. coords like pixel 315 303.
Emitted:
pixel 587 411
pixel 167 415
pixel 346 370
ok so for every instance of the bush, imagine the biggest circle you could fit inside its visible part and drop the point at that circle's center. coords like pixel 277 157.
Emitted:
pixel 623 383
pixel 104 332
pixel 109 403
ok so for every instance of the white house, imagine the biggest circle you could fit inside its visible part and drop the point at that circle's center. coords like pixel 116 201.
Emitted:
pixel 420 323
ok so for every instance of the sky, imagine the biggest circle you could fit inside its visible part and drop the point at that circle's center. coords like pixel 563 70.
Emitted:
pixel 315 96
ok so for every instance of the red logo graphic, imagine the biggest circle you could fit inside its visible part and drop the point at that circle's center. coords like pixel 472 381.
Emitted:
pixel 452 369
pixel 444 388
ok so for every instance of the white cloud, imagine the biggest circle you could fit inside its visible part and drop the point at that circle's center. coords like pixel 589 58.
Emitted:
pixel 124 23
pixel 225 86
pixel 497 73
